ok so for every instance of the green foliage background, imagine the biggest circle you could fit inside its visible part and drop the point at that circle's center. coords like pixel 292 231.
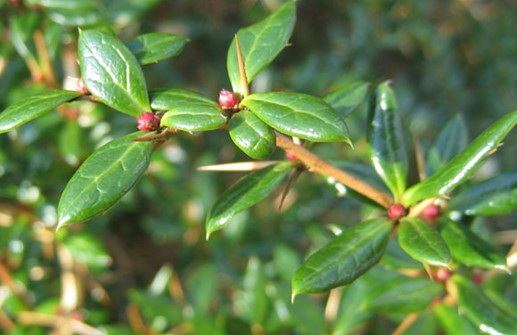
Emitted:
pixel 150 253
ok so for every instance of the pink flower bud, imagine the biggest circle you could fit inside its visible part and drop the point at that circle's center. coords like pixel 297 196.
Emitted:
pixel 228 100
pixel 290 156
pixel 431 212
pixel 148 121
pixel 396 211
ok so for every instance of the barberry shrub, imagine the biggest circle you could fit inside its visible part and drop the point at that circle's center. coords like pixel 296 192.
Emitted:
pixel 413 256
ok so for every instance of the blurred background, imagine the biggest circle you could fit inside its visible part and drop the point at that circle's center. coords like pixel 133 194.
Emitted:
pixel 145 266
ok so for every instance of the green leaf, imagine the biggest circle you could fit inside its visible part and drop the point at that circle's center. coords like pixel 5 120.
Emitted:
pixel 469 249
pixel 486 315
pixel 245 193
pixel 71 12
pixel 452 322
pixel 154 47
pixel 299 115
pixel 33 107
pixel 449 143
pixel 111 72
pixel 251 301
pixel 422 242
pixel 494 196
pixel 108 174
pixel 260 44
pixel 251 135
pixel 345 99
pixel 88 249
pixel 386 144
pixel 459 169
pixel 186 110
pixel 344 259
pixel 402 295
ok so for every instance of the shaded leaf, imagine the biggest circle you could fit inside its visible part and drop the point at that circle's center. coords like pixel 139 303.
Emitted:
pixel 108 174
pixel 111 72
pixel 344 259
pixel 386 144
pixel 299 115
pixel 422 242
pixel 260 44
pixel 251 301
pixel 494 196
pixel 245 193
pixel 255 138
pixel 402 295
pixel 71 12
pixel 154 47
pixel 459 169
pixel 345 99
pixel 486 315
pixel 452 322
pixel 33 107
pixel 186 110
pixel 449 143
pixel 469 249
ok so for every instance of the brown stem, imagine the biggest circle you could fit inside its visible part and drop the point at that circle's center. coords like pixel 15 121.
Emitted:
pixel 44 57
pixel 318 165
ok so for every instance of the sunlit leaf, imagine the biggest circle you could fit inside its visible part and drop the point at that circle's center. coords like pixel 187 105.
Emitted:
pixel 111 72
pixel 255 138
pixel 344 259
pixel 459 169
pixel 108 174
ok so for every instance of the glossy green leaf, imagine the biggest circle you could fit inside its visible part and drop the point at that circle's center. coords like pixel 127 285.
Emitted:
pixel 486 315
pixel 402 295
pixel 299 115
pixel 387 147
pixel 71 12
pixel 255 138
pixel 33 107
pixel 422 242
pixel 452 322
pixel 494 196
pixel 344 259
pixel 108 174
pixel 111 72
pixel 449 143
pixel 345 99
pixel 459 169
pixel 186 110
pixel 260 44
pixel 245 193
pixel 469 249
pixel 154 47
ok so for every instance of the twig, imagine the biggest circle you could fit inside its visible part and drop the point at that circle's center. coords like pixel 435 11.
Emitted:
pixel 317 165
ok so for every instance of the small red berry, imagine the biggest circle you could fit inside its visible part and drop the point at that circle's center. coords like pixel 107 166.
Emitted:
pixel 431 212
pixel 290 156
pixel 442 274
pixel 396 211
pixel 148 121
pixel 228 100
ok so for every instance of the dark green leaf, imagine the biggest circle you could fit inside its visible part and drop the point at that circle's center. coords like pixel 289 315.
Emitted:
pixel 344 259
pixel 452 322
pixel 260 44
pixel 251 135
pixel 33 107
pixel 299 115
pixel 469 249
pixel 486 315
pixel 156 308
pixel 449 143
pixel 186 110
pixel 154 47
pixel 387 149
pixel 494 196
pixel 245 193
pixel 103 179
pixel 111 73
pixel 71 12
pixel 402 295
pixel 422 242
pixel 345 99
pixel 459 169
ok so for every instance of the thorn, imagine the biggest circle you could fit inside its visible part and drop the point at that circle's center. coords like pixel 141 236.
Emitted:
pixel 238 166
